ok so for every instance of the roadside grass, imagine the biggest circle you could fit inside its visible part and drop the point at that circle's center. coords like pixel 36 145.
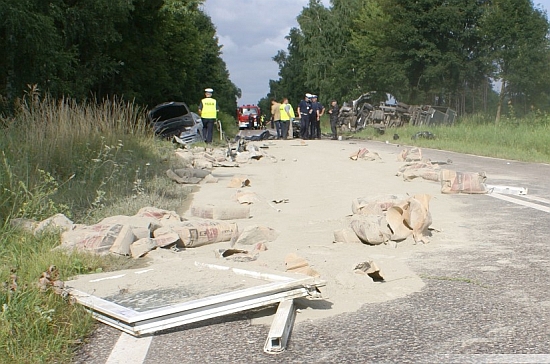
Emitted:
pixel 87 161
pixel 526 139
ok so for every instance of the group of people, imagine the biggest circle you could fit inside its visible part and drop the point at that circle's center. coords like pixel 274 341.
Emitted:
pixel 309 112
pixel 282 115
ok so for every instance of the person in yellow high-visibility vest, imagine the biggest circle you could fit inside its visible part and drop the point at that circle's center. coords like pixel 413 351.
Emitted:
pixel 208 110
pixel 287 114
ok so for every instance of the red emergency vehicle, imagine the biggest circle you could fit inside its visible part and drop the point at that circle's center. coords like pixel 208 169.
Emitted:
pixel 248 117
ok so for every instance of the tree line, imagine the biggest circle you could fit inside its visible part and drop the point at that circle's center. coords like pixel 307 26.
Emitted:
pixel 440 52
pixel 147 51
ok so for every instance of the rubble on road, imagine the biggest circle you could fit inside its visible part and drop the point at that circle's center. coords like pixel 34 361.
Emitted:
pixel 463 182
pixel 423 169
pixel 371 269
pixel 381 220
pixel 413 154
pixel 365 154
pixel 296 264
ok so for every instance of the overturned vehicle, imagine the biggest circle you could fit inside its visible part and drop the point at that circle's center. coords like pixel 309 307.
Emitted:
pixel 362 113
pixel 175 120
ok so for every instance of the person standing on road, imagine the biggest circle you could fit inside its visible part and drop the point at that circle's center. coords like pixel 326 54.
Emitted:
pixel 276 116
pixel 286 116
pixel 333 114
pixel 315 121
pixel 208 110
pixel 304 112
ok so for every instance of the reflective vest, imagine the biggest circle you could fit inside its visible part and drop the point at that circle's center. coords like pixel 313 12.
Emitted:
pixel 209 108
pixel 284 115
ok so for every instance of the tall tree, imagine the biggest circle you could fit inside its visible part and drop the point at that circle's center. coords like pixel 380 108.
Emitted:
pixel 517 35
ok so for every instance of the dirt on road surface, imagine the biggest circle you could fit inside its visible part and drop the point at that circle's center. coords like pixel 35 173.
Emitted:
pixel 474 293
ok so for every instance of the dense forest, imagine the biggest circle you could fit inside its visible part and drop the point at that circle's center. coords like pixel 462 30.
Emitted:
pixel 147 51
pixel 458 53
pixel 438 52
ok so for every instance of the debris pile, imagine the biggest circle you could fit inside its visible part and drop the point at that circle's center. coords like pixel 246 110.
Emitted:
pixel 387 219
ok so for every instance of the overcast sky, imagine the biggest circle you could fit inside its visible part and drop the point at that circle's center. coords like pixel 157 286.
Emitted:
pixel 251 32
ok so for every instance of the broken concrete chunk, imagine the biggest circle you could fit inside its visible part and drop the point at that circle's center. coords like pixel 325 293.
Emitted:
pixel 182 180
pixel 374 205
pixel 254 234
pixel 141 232
pixel 371 229
pixel 221 211
pixel 371 269
pixel 297 264
pixel 165 236
pixel 55 223
pixel 202 164
pixel 410 155
pixel 246 197
pixel 210 179
pixel 239 182
pixel 365 154
pixel 346 235
pixel 192 172
pixel 185 157
pixel 122 243
pixel 142 246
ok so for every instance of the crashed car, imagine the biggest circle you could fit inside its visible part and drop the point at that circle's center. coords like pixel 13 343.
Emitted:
pixel 175 120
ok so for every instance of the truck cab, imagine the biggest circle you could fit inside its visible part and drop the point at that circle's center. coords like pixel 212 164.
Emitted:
pixel 248 117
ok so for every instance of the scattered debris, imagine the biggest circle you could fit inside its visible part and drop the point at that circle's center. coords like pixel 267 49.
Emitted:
pixel 254 234
pixel 410 155
pixel 462 182
pixel 278 288
pixel 423 169
pixel 365 154
pixel 221 211
pixel 402 219
pixel 239 182
pixel 346 235
pixel 371 269
pixel 297 264
pixel 423 135
pixel 507 190
pixel 50 279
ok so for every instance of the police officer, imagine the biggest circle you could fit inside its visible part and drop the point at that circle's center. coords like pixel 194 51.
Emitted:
pixel 208 110
pixel 315 120
pixel 304 112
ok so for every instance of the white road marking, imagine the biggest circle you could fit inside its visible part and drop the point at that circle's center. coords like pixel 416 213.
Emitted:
pixel 520 202
pixel 129 349
pixel 103 279
pixel 535 198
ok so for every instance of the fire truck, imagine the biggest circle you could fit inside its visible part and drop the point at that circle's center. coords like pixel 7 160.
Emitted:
pixel 248 117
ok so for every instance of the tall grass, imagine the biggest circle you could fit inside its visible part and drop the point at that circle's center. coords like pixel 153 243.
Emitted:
pixel 87 161
pixel 526 139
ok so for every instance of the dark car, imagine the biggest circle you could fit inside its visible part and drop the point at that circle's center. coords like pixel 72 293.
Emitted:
pixel 174 119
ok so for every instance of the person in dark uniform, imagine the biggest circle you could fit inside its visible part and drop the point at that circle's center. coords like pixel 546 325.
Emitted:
pixel 304 112
pixel 208 110
pixel 315 120
pixel 333 114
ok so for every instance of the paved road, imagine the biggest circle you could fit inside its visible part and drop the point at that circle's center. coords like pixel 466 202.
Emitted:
pixel 487 303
